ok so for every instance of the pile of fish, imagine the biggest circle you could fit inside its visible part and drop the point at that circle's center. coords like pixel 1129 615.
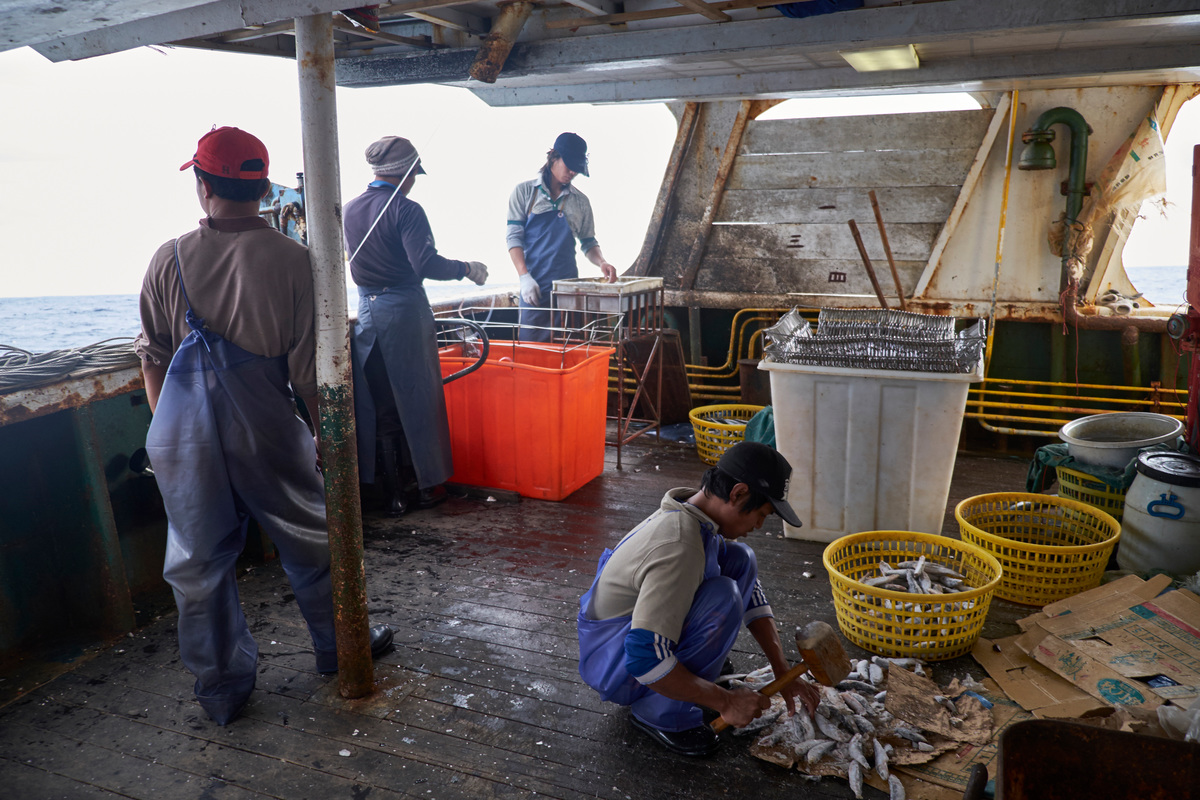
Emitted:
pixel 917 577
pixel 944 616
pixel 852 732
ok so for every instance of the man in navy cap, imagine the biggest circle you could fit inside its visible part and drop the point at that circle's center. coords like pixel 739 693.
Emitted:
pixel 669 601
pixel 545 217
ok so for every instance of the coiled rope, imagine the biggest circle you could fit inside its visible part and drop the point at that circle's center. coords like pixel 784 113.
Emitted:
pixel 21 369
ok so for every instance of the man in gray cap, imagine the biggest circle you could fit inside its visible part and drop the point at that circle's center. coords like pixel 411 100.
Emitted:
pixel 545 217
pixel 398 381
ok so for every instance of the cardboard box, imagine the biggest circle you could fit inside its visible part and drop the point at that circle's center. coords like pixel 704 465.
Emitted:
pixel 1122 644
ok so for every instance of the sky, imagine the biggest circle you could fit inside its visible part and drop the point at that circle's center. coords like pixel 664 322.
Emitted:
pixel 90 154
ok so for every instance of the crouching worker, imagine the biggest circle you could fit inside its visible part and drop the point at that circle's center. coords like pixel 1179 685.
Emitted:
pixel 669 600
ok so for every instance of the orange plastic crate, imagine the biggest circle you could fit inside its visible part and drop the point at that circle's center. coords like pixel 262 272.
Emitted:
pixel 530 420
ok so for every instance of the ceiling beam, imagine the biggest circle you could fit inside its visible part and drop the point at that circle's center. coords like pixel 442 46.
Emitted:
pixel 1082 67
pixel 574 23
pixel 346 26
pixel 743 40
pixel 704 9
pixel 592 8
pixel 454 20
pixel 182 21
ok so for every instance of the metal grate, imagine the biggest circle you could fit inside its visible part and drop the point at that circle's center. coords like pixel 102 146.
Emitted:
pixel 878 339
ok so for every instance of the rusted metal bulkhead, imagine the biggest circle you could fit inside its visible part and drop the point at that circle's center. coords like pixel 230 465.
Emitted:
pixel 499 42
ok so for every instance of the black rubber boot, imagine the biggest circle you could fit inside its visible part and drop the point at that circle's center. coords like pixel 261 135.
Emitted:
pixel 394 497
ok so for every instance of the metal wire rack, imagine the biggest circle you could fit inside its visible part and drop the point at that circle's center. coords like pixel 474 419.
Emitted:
pixel 880 339
pixel 899 325
pixel 569 330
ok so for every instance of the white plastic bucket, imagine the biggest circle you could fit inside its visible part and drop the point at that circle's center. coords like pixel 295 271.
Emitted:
pixel 1161 527
pixel 1113 440
pixel 870 449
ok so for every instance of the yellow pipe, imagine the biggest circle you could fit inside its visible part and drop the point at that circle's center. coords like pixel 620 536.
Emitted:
pixel 1032 395
pixel 735 350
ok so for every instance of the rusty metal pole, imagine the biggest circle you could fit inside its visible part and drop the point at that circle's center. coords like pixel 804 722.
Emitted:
pixel 1192 339
pixel 318 119
pixel 506 27
pixel 862 251
pixel 887 249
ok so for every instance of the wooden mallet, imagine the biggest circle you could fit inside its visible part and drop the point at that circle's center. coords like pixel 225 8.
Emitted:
pixel 821 653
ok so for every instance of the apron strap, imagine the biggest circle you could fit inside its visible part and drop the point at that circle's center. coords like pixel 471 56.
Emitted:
pixel 194 322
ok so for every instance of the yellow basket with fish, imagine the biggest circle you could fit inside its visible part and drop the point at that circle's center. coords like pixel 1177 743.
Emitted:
pixel 933 626
pixel 1050 547
pixel 719 428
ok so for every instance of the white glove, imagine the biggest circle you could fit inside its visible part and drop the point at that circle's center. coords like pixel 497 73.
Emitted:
pixel 477 272
pixel 531 293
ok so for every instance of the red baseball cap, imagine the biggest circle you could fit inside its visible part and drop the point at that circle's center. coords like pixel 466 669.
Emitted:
pixel 230 153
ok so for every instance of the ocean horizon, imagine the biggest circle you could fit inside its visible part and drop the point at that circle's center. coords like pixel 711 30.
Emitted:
pixel 65 322
pixel 42 324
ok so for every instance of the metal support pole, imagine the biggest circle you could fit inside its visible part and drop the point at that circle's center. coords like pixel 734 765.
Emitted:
pixel 1192 339
pixel 318 119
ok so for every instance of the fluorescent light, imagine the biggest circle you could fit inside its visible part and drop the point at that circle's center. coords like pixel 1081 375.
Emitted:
pixel 878 59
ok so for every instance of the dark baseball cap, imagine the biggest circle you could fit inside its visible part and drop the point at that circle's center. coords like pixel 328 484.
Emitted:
pixel 230 153
pixel 573 150
pixel 764 470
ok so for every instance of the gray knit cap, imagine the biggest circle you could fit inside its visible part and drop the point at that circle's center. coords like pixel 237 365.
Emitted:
pixel 392 156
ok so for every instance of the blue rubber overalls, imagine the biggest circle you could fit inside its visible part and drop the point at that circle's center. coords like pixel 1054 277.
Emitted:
pixel 709 632
pixel 549 257
pixel 225 444
pixel 399 321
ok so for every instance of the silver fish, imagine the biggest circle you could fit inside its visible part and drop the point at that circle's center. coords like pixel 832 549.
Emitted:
pixel 803 748
pixel 946 703
pixel 856 703
pixel 856 751
pixel 881 760
pixel 863 725
pixel 818 752
pixel 896 789
pixel 805 723
pixel 856 778
pixel 876 674
pixel 831 730
pixel 910 733
pixel 857 686
pixel 765 720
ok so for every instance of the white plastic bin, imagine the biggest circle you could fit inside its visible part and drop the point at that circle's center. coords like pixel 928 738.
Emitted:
pixel 870 449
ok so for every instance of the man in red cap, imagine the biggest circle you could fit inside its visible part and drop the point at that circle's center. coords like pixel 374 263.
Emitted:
pixel 227 344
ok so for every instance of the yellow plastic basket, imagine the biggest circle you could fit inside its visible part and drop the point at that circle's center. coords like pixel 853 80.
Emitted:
pixel 897 624
pixel 714 435
pixel 1086 489
pixel 1050 547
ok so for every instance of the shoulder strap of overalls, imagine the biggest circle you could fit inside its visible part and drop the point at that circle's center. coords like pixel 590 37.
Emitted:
pixel 532 200
pixel 194 322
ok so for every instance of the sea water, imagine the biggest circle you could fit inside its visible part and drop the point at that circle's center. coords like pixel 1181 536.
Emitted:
pixel 41 324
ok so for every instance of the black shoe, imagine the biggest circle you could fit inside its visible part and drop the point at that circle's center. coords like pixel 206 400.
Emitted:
pixel 699 741
pixel 381 641
pixel 431 497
